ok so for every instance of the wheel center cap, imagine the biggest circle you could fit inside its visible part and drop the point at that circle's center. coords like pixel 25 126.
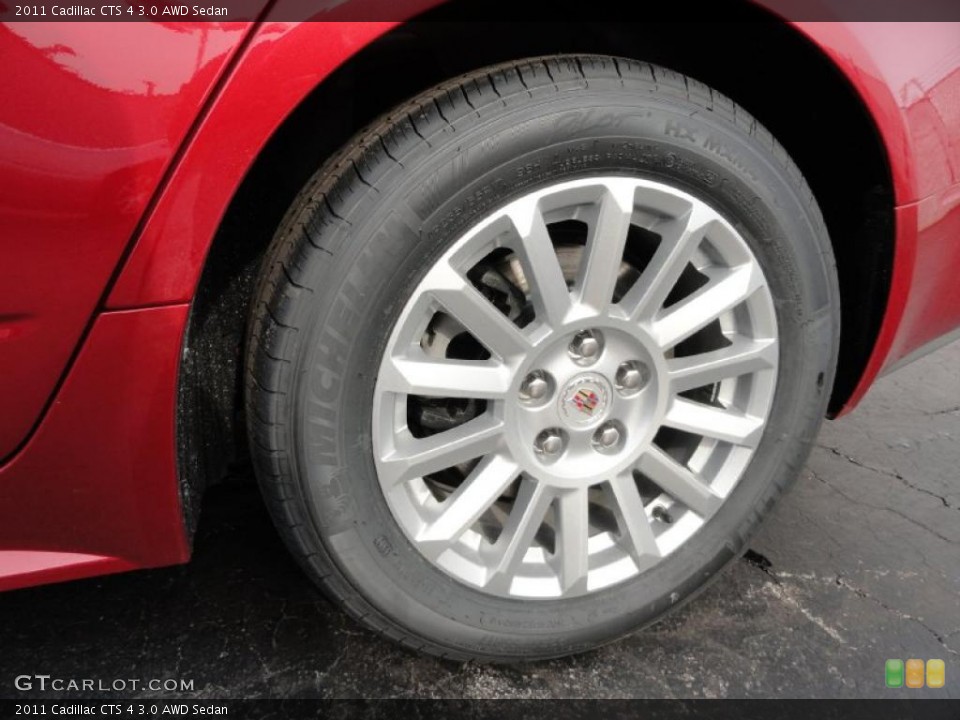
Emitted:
pixel 585 400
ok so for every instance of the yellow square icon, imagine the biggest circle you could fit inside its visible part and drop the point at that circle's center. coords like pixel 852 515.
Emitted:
pixel 914 673
pixel 936 673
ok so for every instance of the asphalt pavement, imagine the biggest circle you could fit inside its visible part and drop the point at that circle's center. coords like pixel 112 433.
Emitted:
pixel 859 563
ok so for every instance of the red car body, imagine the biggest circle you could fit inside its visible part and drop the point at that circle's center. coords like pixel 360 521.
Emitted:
pixel 121 147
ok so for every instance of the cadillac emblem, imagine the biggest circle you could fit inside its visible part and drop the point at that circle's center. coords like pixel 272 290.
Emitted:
pixel 584 400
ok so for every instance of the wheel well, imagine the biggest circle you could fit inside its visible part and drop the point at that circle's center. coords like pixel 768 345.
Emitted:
pixel 768 68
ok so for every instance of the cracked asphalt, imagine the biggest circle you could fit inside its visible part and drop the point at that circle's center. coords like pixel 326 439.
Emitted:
pixel 859 563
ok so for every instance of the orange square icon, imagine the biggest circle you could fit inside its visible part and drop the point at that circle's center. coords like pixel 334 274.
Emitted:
pixel 914 673
pixel 935 673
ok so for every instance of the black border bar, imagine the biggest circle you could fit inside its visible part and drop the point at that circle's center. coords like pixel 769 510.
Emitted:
pixel 488 709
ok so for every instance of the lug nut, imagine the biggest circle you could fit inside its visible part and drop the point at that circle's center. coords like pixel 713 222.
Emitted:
pixel 632 376
pixel 607 437
pixel 535 386
pixel 585 347
pixel 549 443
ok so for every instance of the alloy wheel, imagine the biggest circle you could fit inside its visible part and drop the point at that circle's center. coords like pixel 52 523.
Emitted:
pixel 575 387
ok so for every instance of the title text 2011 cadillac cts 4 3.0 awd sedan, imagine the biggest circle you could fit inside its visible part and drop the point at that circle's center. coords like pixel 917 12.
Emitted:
pixel 522 337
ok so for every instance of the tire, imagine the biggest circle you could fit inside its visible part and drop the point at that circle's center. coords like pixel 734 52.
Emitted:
pixel 370 226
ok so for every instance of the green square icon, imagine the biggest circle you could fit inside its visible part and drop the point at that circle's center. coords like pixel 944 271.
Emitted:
pixel 894 673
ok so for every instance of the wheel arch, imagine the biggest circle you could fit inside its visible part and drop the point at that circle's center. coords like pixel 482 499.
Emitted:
pixel 217 271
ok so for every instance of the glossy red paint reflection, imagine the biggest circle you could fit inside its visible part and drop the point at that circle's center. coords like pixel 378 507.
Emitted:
pixel 95 490
pixel 908 75
pixel 248 111
pixel 90 119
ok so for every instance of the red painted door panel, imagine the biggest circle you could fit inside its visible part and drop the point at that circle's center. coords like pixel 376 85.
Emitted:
pixel 89 121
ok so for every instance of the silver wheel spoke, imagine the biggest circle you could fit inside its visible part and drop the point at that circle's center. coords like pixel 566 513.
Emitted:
pixel 603 255
pixel 477 314
pixel 526 516
pixel 444 378
pixel 573 528
pixel 415 458
pixel 743 357
pixel 678 481
pixel 632 519
pixel 551 298
pixel 729 288
pixel 679 240
pixel 726 425
pixel 469 501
